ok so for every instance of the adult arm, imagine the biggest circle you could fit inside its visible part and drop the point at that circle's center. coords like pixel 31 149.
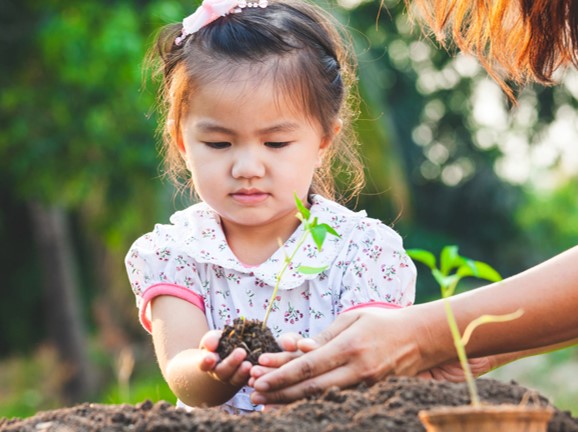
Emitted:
pixel 481 365
pixel 369 344
pixel 178 329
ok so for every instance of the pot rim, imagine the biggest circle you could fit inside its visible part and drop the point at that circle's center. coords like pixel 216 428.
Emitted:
pixel 533 411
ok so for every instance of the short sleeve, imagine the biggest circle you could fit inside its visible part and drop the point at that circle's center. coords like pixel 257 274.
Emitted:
pixel 376 269
pixel 155 267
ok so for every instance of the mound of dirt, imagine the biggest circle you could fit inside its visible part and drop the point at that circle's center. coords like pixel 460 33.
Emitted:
pixel 391 405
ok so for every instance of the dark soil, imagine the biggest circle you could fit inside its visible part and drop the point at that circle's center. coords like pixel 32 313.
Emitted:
pixel 391 405
pixel 249 335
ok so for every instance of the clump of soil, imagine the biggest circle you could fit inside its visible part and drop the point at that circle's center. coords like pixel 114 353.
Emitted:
pixel 391 405
pixel 249 335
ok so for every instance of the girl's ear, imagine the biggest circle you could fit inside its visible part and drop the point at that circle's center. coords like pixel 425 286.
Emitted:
pixel 328 140
pixel 337 125
pixel 176 135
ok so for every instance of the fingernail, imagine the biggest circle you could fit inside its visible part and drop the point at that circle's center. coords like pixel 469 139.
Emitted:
pixel 258 399
pixel 261 386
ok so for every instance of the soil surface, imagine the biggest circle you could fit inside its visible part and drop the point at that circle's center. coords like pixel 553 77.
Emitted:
pixel 391 405
pixel 249 335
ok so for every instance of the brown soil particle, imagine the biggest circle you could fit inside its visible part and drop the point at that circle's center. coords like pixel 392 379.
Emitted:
pixel 391 405
pixel 249 335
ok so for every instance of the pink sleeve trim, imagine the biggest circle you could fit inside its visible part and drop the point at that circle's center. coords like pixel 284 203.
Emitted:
pixel 379 304
pixel 170 290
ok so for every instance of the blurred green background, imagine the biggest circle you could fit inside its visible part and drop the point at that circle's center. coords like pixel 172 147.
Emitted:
pixel 449 161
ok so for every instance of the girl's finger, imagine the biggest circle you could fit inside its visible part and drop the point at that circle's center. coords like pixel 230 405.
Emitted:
pixel 210 340
pixel 228 366
pixel 241 375
pixel 209 361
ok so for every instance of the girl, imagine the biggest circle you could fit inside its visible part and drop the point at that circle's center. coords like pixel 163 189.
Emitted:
pixel 255 98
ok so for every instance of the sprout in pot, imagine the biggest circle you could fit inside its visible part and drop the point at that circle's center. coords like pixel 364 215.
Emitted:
pixel 477 417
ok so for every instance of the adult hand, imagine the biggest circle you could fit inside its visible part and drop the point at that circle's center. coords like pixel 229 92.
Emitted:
pixel 348 352
pixel 453 371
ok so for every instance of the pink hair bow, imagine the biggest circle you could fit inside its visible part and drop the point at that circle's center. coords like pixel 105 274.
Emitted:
pixel 209 11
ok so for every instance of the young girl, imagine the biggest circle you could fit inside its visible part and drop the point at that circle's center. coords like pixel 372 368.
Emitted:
pixel 256 111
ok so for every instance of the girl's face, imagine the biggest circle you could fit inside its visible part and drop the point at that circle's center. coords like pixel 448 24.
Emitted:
pixel 248 152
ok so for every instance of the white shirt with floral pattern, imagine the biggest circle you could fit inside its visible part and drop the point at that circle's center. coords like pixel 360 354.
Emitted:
pixel 190 259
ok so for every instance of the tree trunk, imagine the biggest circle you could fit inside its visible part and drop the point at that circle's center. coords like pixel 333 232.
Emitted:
pixel 63 313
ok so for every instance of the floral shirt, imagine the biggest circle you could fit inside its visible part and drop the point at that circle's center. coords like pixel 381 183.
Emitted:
pixel 190 259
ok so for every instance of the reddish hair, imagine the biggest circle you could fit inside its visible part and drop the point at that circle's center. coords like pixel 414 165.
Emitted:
pixel 517 40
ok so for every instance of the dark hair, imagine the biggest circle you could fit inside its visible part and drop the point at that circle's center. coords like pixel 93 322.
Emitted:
pixel 519 40
pixel 292 42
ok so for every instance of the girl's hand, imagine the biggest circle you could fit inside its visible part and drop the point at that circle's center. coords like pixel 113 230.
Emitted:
pixel 271 361
pixel 232 370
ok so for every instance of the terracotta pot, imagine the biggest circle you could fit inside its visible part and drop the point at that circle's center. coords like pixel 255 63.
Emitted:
pixel 487 418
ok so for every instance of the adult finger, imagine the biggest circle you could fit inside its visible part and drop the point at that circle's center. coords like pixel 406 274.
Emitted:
pixel 342 377
pixel 288 341
pixel 257 372
pixel 276 360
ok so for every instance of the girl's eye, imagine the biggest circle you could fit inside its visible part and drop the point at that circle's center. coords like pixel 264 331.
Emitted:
pixel 217 145
pixel 277 144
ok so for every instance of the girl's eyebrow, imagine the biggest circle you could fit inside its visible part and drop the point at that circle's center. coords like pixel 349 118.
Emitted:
pixel 208 126
pixel 281 127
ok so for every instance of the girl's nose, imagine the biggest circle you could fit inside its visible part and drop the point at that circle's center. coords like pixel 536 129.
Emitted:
pixel 247 164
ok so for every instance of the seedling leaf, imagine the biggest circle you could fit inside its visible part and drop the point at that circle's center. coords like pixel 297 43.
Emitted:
pixel 311 270
pixel 330 229
pixel 422 256
pixel 304 211
pixel 484 271
pixel 449 259
pixel 318 233
pixel 467 269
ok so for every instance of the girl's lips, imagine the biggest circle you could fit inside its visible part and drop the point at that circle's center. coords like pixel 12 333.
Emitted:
pixel 250 197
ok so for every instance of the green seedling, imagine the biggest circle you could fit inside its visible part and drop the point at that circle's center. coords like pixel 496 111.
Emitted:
pixel 318 232
pixel 452 269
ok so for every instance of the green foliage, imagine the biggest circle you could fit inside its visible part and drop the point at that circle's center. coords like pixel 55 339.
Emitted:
pixel 550 220
pixel 79 115
pixel 147 384
pixel 29 384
